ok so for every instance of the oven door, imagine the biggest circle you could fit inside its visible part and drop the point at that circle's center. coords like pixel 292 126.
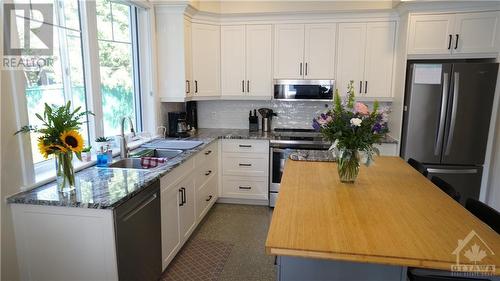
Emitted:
pixel 278 158
pixel 303 89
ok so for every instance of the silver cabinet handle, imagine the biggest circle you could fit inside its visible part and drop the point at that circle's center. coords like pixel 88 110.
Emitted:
pixel 243 86
pixel 442 116
pixel 360 86
pixel 245 165
pixel 300 69
pixel 188 87
pixel 208 172
pixel 453 113
pixel 248 86
pixel 366 87
pixel 452 171
pixel 306 68
pixel 245 187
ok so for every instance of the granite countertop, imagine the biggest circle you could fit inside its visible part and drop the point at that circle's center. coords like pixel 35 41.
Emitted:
pixel 312 156
pixel 107 188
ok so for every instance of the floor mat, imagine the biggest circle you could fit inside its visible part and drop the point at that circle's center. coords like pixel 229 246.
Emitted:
pixel 199 259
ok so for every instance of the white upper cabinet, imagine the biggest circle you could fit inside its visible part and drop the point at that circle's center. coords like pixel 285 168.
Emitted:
pixel 477 33
pixel 206 60
pixel 319 52
pixel 172 55
pixel 304 51
pixel 233 60
pixel 450 34
pixel 351 56
pixel 379 59
pixel 259 68
pixel 288 51
pixel 430 34
pixel 366 55
pixel 246 61
pixel 187 58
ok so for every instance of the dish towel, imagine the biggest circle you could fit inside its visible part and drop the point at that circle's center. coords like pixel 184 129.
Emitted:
pixel 152 162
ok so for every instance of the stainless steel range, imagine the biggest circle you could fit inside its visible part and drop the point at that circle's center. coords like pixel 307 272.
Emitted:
pixel 285 142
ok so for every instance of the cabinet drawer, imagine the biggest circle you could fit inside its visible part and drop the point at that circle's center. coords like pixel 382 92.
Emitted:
pixel 205 171
pixel 245 187
pixel 242 164
pixel 206 196
pixel 208 153
pixel 245 146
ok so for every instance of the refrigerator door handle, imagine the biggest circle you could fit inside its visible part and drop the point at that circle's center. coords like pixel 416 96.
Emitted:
pixel 442 116
pixel 453 112
pixel 452 171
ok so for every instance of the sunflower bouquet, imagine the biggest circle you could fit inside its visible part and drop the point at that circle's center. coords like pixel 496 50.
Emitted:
pixel 60 137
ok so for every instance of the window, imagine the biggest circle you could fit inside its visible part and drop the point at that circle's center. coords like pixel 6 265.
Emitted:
pixel 63 80
pixel 114 33
pixel 118 58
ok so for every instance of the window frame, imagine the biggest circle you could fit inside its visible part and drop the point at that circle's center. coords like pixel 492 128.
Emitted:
pixel 92 83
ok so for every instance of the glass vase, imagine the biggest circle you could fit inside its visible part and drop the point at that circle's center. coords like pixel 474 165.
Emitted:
pixel 65 173
pixel 348 165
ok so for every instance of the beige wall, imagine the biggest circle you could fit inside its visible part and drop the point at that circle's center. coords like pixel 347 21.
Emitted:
pixel 237 7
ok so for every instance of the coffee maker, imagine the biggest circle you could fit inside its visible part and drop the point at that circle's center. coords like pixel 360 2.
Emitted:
pixel 177 125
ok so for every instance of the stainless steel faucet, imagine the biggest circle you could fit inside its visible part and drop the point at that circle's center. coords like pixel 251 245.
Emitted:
pixel 123 142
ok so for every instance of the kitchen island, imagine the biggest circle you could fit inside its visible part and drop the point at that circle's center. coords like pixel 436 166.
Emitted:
pixel 392 218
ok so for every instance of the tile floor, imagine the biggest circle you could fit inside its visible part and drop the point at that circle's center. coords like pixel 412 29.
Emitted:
pixel 245 227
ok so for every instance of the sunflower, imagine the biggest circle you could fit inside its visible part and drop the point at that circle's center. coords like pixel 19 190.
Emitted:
pixel 72 140
pixel 47 149
pixel 43 148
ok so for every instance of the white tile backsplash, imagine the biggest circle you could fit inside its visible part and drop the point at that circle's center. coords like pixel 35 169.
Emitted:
pixel 234 114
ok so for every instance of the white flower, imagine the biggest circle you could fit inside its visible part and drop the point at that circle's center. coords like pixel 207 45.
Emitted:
pixel 356 122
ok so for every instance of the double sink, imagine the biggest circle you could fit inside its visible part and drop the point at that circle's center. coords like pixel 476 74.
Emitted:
pixel 160 148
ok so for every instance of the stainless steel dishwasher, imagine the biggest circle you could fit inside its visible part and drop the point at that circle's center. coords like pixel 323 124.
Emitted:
pixel 138 236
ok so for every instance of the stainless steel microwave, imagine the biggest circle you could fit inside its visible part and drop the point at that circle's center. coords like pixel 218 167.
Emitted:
pixel 303 89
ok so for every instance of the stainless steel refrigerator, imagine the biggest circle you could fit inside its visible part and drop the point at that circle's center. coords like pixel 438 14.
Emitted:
pixel 447 114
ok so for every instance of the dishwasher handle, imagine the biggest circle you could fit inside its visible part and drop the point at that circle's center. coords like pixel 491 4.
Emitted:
pixel 140 207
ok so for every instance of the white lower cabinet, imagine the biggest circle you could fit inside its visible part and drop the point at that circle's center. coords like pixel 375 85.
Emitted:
pixel 388 149
pixel 245 171
pixel 187 218
pixel 245 187
pixel 170 233
pixel 206 196
pixel 187 193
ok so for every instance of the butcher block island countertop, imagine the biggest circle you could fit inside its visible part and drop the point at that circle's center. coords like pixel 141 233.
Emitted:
pixel 392 215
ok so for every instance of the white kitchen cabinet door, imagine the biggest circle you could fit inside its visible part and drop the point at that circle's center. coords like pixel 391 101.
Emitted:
pixel 351 56
pixel 477 33
pixel 379 59
pixel 170 235
pixel 289 51
pixel 259 60
pixel 233 60
pixel 430 34
pixel 319 52
pixel 187 217
pixel 188 58
pixel 206 59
